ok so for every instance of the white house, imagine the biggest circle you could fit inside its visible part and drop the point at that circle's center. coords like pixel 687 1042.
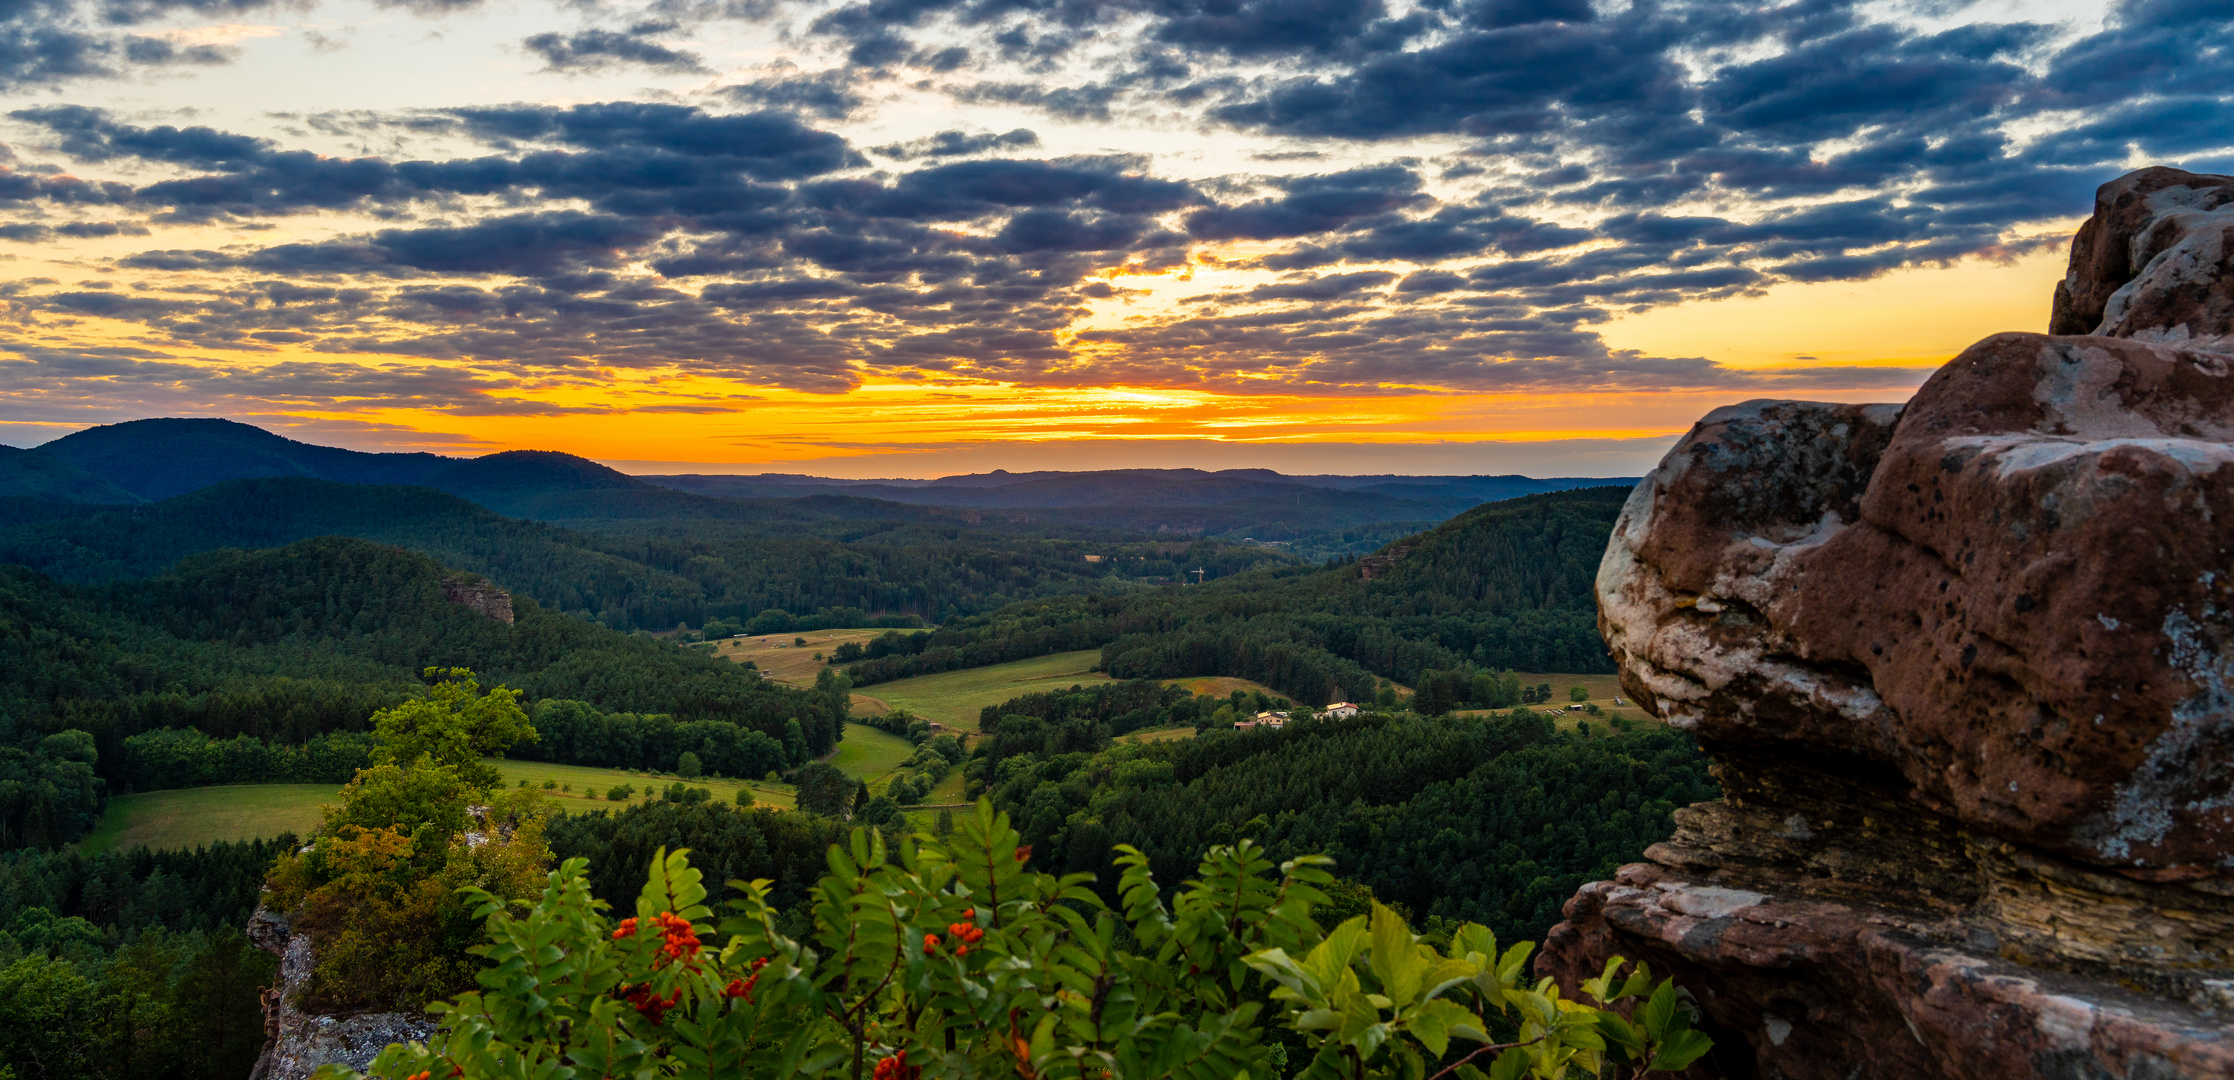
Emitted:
pixel 1340 710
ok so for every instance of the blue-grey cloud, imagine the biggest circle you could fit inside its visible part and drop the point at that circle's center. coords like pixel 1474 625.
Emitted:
pixel 597 49
pixel 1596 159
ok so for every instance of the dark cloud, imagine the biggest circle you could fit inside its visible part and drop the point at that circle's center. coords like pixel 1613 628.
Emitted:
pixel 958 144
pixel 765 145
pixel 1328 287
pixel 834 94
pixel 596 49
pixel 1312 204
pixel 1586 160
pixel 1266 27
pixel 33 232
pixel 1083 102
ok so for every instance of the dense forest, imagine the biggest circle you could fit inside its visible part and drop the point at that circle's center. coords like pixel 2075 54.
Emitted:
pixel 292 643
pixel 797 567
pixel 726 843
pixel 132 964
pixel 1504 586
pixel 1495 819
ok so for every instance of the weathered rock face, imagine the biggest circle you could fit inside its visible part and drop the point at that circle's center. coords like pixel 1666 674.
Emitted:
pixel 1967 670
pixel 297 1043
pixel 482 598
pixel 2155 262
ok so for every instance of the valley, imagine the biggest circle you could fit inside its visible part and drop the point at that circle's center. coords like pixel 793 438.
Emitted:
pixel 211 630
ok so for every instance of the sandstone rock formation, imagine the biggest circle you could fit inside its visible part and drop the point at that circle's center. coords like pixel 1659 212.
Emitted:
pixel 1967 671
pixel 2154 263
pixel 482 598
pixel 297 1043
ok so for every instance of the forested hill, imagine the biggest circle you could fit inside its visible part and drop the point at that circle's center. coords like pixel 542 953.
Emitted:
pixel 313 637
pixel 811 570
pixel 157 459
pixel 1506 585
pixel 1494 818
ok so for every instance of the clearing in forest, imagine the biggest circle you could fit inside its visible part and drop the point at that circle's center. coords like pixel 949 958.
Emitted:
pixel 196 817
pixel 1603 689
pixel 868 754
pixel 1224 686
pixel 782 658
pixel 954 698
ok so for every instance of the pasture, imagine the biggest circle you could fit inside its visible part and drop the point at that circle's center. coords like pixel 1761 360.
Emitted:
pixel 198 817
pixel 1224 686
pixel 782 658
pixel 870 754
pixel 591 785
pixel 1603 689
pixel 954 698
pixel 195 817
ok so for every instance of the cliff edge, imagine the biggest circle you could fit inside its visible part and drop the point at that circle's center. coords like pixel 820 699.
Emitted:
pixel 1967 671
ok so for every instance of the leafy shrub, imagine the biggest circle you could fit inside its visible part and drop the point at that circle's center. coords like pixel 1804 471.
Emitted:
pixel 957 961
pixel 378 887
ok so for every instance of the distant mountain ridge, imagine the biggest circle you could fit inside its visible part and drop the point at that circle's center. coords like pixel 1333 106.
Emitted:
pixel 1129 487
pixel 158 459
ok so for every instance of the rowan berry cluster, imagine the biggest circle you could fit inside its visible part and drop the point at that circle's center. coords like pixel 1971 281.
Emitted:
pixel 742 988
pixel 959 935
pixel 650 1004
pixel 680 940
pixel 896 1067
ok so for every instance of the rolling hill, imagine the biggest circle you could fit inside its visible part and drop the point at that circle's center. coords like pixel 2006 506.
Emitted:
pixel 157 459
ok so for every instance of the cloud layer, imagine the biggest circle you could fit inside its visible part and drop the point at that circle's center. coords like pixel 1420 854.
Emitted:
pixel 1467 190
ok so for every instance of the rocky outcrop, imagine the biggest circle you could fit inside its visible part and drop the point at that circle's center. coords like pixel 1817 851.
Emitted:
pixel 2154 263
pixel 1967 671
pixel 297 1043
pixel 1382 562
pixel 482 598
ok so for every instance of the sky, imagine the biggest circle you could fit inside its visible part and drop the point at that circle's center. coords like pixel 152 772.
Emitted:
pixel 915 237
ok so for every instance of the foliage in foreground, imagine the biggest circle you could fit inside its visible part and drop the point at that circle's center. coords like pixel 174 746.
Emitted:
pixel 941 960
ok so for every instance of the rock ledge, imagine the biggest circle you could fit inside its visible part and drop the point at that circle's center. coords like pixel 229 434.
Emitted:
pixel 1967 671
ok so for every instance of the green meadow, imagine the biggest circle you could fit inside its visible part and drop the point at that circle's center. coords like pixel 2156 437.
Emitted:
pixel 198 817
pixel 954 698
pixel 194 817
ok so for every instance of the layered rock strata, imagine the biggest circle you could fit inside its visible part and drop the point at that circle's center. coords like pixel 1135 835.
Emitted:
pixel 1967 671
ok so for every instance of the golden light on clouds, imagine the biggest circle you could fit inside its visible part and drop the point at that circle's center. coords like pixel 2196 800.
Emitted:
pixel 1907 318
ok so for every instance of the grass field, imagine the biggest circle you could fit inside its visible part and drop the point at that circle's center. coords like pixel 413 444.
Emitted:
pixel 948 790
pixel 584 780
pixel 1223 686
pixel 954 698
pixel 197 817
pixel 870 754
pixel 194 817
pixel 780 658
pixel 1158 735
pixel 1603 689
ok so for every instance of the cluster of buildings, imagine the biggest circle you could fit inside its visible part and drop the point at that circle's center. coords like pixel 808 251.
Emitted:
pixel 1340 710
